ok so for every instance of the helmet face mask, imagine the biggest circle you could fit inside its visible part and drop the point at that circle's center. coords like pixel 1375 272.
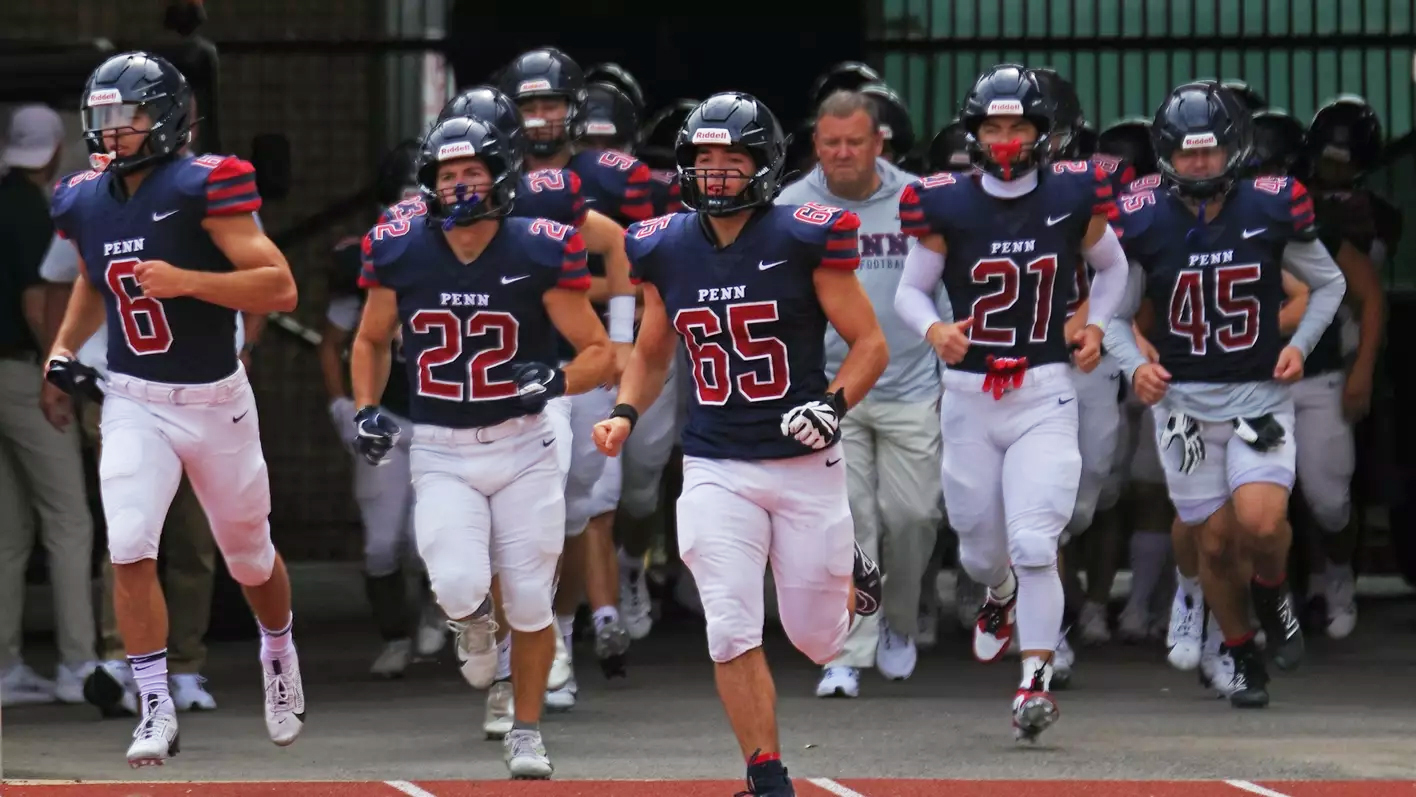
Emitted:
pixel 136 110
pixel 1202 138
pixel 1009 118
pixel 730 154
pixel 467 172
pixel 1344 142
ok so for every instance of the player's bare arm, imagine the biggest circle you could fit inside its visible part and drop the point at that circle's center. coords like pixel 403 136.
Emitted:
pixel 371 356
pixel 604 237
pixel 849 310
pixel 644 377
pixel 575 319
pixel 1295 303
pixel 82 317
pixel 924 270
pixel 1364 291
pixel 260 283
pixel 332 341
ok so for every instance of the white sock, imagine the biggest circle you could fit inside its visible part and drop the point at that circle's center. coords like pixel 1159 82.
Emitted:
pixel 150 672
pixel 276 643
pixel 605 615
pixel 1190 587
pixel 565 623
pixel 504 659
pixel 1030 668
pixel 1148 552
pixel 1213 636
pixel 1009 587
pixel 1040 603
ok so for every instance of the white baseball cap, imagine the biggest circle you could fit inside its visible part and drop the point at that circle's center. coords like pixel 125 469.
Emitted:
pixel 36 132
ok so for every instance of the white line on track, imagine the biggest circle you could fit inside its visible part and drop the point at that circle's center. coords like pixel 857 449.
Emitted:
pixel 834 787
pixel 409 789
pixel 1254 788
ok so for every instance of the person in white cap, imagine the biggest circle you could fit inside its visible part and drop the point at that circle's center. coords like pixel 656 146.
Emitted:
pixel 45 453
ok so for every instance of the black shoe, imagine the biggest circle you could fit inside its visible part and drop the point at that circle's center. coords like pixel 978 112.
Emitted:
pixel 1250 682
pixel 767 778
pixel 1284 633
pixel 105 692
pixel 866 575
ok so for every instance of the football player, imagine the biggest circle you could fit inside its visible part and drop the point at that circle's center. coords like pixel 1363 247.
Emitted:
pixel 749 288
pixel 656 149
pixel 549 88
pixel 170 251
pixel 1005 242
pixel 1211 251
pixel 475 295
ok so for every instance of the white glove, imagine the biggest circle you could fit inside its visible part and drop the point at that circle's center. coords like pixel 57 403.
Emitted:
pixel 814 423
pixel 1185 429
pixel 341 412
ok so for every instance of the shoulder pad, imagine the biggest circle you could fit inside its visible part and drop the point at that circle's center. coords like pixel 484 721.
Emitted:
pixel 389 238
pixel 1093 184
pixel 1288 203
pixel 642 238
pixel 555 194
pixel 920 200
pixel 553 245
pixel 66 197
pixel 224 185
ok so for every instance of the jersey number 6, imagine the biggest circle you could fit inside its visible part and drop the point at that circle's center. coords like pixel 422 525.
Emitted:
pixel 478 386
pixel 711 371
pixel 145 327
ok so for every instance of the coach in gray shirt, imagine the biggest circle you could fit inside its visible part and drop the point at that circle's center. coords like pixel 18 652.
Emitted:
pixel 892 437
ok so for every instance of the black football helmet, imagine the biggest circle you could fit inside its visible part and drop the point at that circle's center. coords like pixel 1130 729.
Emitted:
pixel 1278 144
pixel 465 137
pixel 849 75
pixel 949 150
pixel 117 91
pixel 1069 119
pixel 731 119
pixel 491 105
pixel 619 77
pixel 1197 116
pixel 895 123
pixel 547 72
pixel 1009 90
pixel 1084 142
pixel 1246 94
pixel 609 117
pixel 1130 140
pixel 1344 142
pixel 660 134
pixel 397 176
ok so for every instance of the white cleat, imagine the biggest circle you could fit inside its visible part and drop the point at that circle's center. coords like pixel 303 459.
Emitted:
pixel 189 694
pixel 1185 636
pixel 1063 660
pixel 636 607
pixel 1092 624
pixel 562 699
pixel 1340 593
pixel 525 755
pixel 1034 710
pixel 895 654
pixel 432 631
pixel 156 738
pixel 393 659
pixel 500 709
pixel 69 681
pixel 477 649
pixel 1217 673
pixel 284 697
pixel 562 668
pixel 839 682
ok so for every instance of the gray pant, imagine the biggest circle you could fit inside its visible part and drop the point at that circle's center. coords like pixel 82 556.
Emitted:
pixel 892 470
pixel 48 477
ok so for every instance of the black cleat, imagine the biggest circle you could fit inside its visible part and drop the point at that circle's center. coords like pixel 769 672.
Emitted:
pixel 866 575
pixel 1283 632
pixel 1250 683
pixel 767 779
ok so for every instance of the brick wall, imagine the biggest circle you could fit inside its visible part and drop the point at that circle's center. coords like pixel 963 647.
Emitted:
pixel 327 105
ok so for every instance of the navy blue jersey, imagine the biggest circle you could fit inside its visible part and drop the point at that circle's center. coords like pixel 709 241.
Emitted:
pixel 753 329
pixel 344 281
pixel 1011 263
pixel 664 188
pixel 614 184
pixel 1120 174
pixel 550 194
pixel 466 324
pixel 181 340
pixel 1218 287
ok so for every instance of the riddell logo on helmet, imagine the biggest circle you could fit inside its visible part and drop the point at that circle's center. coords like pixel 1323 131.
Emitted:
pixel 712 135
pixel 527 86
pixel 1005 108
pixel 459 149
pixel 105 97
pixel 600 129
pixel 1199 141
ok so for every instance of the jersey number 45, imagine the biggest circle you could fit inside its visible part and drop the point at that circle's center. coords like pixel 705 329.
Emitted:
pixel 712 371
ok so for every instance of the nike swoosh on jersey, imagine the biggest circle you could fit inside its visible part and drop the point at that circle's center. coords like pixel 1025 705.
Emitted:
pixel 509 280
pixel 764 266
pixel 1051 221
pixel 1251 233
pixel 161 216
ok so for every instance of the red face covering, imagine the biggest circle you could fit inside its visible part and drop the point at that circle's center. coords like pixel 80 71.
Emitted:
pixel 1005 154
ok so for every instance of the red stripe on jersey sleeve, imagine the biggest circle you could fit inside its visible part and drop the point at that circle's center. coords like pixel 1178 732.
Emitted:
pixel 843 243
pixel 1300 207
pixel 1105 204
pixel 574 275
pixel 637 204
pixel 231 189
pixel 366 271
pixel 1128 175
pixel 912 221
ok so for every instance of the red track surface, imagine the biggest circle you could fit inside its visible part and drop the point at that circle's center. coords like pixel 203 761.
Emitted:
pixel 805 788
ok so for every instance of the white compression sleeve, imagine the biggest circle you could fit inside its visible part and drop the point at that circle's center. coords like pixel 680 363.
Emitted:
pixel 1108 288
pixel 914 298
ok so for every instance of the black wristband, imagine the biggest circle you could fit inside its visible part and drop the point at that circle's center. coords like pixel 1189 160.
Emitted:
pixel 626 411
pixel 837 401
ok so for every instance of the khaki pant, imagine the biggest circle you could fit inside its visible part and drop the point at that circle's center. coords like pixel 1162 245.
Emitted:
pixel 892 470
pixel 189 558
pixel 41 470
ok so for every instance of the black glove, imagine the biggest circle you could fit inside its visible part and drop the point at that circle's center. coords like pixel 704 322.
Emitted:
pixel 537 383
pixel 377 434
pixel 74 378
pixel 1263 434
